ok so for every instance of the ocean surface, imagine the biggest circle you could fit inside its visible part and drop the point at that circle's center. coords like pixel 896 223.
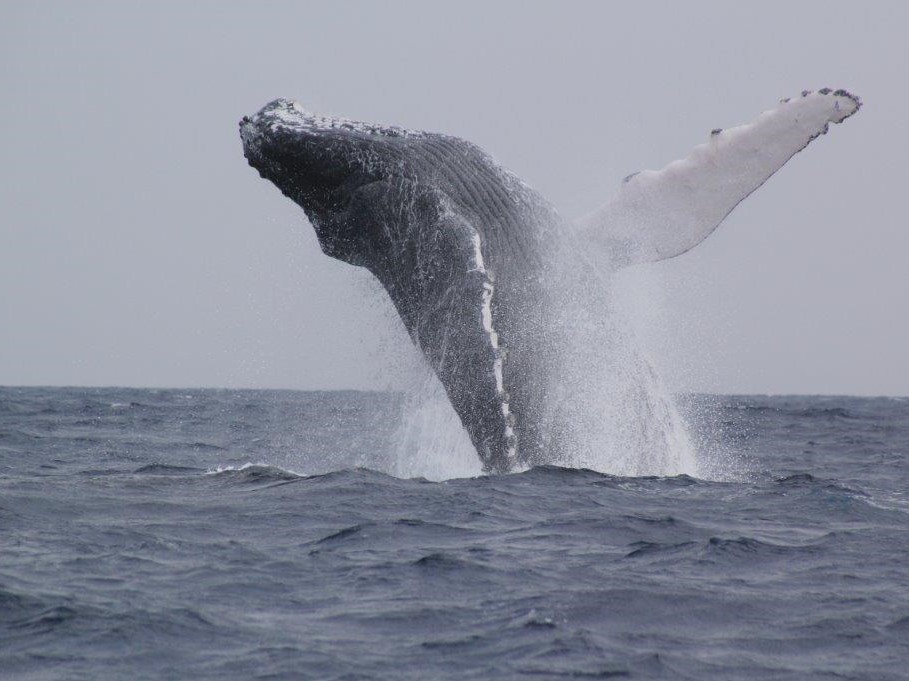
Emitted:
pixel 214 534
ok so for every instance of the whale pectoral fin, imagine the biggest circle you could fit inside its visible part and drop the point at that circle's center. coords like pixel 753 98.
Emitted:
pixel 661 214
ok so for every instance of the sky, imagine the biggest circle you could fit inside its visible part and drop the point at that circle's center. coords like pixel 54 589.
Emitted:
pixel 137 248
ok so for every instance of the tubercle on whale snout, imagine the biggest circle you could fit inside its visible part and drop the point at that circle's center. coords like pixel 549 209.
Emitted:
pixel 290 115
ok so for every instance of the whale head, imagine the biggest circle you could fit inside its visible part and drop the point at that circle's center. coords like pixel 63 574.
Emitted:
pixel 323 164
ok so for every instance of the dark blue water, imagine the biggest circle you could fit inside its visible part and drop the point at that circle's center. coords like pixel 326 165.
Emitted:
pixel 134 544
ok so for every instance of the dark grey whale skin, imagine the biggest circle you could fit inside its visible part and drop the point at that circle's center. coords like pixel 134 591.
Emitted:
pixel 408 206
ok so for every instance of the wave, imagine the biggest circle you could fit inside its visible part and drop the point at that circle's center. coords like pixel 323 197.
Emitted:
pixel 166 469
pixel 440 560
pixel 249 473
pixel 46 620
pixel 342 534
pixel 808 481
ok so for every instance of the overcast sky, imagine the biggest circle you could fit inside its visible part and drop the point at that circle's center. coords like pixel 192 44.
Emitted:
pixel 138 248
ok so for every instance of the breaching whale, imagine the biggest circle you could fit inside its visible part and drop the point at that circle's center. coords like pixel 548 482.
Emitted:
pixel 468 253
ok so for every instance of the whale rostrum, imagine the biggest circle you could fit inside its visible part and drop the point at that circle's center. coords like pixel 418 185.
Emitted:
pixel 468 252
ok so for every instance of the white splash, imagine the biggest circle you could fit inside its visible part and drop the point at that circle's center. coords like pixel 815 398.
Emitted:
pixel 430 441
pixel 606 408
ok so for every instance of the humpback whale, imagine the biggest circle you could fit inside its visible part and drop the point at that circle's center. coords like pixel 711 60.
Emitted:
pixel 469 254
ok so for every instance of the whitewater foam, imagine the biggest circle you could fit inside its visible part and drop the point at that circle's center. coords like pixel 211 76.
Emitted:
pixel 429 441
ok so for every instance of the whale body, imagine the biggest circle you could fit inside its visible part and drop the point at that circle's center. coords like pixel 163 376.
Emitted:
pixel 469 254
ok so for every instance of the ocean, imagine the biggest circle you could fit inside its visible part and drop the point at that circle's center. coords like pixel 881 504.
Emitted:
pixel 220 534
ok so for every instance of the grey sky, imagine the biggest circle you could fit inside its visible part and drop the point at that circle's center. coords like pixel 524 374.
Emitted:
pixel 138 248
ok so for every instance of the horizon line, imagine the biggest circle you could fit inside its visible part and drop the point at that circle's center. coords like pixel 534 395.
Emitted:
pixel 390 390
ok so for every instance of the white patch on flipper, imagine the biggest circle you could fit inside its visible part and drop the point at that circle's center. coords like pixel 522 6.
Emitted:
pixel 661 214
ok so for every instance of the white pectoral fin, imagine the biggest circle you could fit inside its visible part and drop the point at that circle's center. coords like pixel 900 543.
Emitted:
pixel 661 214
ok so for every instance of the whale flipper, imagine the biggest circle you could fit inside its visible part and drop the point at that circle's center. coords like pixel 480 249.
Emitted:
pixel 661 214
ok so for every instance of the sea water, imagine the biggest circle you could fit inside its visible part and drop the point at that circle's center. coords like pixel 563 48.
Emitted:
pixel 214 534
